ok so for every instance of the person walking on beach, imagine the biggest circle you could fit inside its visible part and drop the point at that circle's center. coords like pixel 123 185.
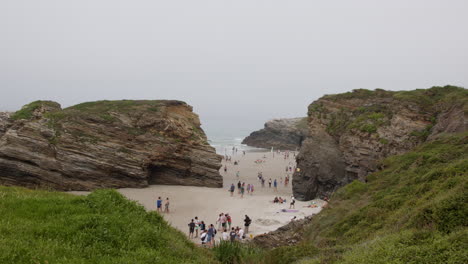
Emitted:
pixel 232 189
pixel 269 182
pixel 242 191
pixel 251 189
pixel 159 204
pixel 275 184
pixel 248 188
pixel 237 174
pixel 166 205
pixel 191 228
pixel 247 222
pixel 239 187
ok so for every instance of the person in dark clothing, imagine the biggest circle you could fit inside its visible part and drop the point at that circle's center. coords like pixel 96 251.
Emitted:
pixel 191 228
pixel 232 235
pixel 247 222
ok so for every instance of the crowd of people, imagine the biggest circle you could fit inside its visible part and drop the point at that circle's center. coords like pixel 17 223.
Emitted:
pixel 208 234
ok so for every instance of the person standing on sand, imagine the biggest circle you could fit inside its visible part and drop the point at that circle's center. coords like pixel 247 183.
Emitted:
pixel 251 189
pixel 210 235
pixel 233 235
pixel 191 229
pixel 247 222
pixel 159 205
pixel 242 191
pixel 218 221
pixel 248 188
pixel 239 187
pixel 197 226
pixel 275 184
pixel 237 174
pixel 166 205
pixel 232 189
pixel 223 222
pixel 229 220
pixel 269 182
pixel 293 201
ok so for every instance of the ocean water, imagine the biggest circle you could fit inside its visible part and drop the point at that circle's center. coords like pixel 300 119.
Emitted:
pixel 224 145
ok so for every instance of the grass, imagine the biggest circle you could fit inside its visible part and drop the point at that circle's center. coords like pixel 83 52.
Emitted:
pixel 26 112
pixel 104 227
pixel 413 211
pixel 235 253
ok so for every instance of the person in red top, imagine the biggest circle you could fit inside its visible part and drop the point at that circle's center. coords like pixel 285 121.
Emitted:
pixel 229 220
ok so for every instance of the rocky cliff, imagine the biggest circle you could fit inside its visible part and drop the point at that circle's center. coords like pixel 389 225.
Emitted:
pixel 287 134
pixel 106 144
pixel 350 133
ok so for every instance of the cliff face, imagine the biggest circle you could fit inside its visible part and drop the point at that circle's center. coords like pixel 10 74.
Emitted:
pixel 106 144
pixel 287 134
pixel 350 133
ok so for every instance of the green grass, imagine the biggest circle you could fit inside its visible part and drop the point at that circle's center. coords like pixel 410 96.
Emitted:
pixel 413 211
pixel 234 253
pixel 104 227
pixel 26 112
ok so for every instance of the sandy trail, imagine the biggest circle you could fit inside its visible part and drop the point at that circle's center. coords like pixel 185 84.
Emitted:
pixel 207 203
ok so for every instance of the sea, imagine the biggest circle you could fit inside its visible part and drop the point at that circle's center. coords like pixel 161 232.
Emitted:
pixel 224 142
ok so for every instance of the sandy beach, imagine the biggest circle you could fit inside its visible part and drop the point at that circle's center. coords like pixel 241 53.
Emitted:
pixel 207 203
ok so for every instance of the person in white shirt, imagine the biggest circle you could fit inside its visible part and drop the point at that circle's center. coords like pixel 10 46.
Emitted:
pixel 225 235
pixel 241 234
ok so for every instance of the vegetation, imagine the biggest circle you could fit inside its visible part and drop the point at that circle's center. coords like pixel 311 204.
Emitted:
pixel 233 253
pixel 104 227
pixel 369 117
pixel 27 111
pixel 413 211
pixel 302 124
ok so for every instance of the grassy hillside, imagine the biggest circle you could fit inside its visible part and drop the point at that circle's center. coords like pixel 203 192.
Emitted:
pixel 413 211
pixel 104 227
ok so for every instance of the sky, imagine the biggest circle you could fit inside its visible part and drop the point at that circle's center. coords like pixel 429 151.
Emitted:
pixel 238 63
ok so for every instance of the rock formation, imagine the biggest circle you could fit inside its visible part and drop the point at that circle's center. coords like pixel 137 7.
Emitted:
pixel 286 134
pixel 287 235
pixel 106 144
pixel 350 133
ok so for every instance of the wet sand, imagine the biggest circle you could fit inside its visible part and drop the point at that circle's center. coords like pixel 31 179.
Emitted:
pixel 186 202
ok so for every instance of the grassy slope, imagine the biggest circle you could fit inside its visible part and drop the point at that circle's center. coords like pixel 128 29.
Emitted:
pixel 413 211
pixel 104 227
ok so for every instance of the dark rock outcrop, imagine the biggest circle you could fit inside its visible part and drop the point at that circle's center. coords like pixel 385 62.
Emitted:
pixel 106 144
pixel 286 134
pixel 350 133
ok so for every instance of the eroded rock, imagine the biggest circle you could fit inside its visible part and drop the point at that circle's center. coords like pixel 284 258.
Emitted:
pixel 106 144
pixel 348 134
pixel 285 134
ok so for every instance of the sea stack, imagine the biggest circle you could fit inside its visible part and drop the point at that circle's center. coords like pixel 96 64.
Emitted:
pixel 285 134
pixel 106 144
pixel 348 134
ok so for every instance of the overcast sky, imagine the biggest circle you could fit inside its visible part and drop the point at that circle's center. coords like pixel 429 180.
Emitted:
pixel 238 62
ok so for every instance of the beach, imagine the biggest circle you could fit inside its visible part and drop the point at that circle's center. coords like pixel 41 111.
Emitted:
pixel 186 202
